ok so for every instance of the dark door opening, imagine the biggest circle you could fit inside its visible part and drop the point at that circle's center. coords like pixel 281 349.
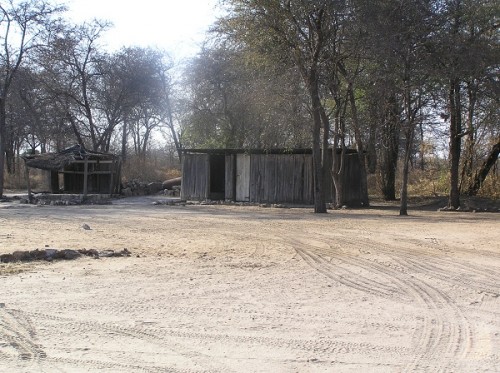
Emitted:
pixel 217 176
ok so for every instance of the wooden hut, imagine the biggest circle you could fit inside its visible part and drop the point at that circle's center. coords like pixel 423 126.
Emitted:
pixel 261 176
pixel 81 171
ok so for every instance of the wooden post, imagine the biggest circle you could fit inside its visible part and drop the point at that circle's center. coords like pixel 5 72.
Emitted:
pixel 85 177
pixel 111 181
pixel 27 175
pixel 118 176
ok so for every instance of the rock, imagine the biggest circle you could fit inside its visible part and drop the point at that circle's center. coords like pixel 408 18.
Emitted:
pixel 127 192
pixel 155 187
pixel 112 253
pixel 38 254
pixel 6 258
pixel 20 256
pixel 50 254
pixel 71 254
pixel 86 227
pixel 106 253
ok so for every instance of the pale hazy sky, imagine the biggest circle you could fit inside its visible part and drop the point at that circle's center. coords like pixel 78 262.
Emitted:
pixel 177 26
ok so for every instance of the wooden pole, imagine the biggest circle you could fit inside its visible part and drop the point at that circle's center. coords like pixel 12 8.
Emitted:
pixel 111 181
pixel 85 177
pixel 27 175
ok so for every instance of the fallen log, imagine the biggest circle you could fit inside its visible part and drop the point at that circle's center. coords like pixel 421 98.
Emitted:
pixel 169 184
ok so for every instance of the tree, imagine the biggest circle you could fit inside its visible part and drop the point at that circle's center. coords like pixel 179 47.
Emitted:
pixel 298 31
pixel 399 32
pixel 481 174
pixel 238 98
pixel 76 67
pixel 466 49
pixel 22 27
pixel 136 93
pixel 218 86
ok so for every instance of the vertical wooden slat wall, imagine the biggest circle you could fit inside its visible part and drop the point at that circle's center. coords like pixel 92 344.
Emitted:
pixel 195 181
pixel 274 178
pixel 281 178
pixel 230 177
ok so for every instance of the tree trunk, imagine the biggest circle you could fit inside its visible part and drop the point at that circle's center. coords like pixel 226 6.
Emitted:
pixel 75 129
pixel 372 148
pixel 470 139
pixel 175 137
pixel 422 147
pixel 325 155
pixel 318 170
pixel 360 148
pixel 390 150
pixel 455 142
pixel 2 144
pixel 388 166
pixel 337 162
pixel 410 134
pixel 484 170
pixel 403 207
pixel 124 142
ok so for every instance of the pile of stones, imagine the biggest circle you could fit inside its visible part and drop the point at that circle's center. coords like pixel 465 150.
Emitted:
pixel 54 254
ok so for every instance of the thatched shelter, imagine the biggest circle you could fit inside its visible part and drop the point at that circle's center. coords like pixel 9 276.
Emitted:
pixel 82 171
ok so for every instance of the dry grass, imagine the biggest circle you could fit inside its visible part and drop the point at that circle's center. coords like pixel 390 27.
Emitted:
pixel 9 269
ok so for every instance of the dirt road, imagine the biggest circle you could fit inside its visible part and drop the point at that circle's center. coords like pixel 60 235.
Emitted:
pixel 250 289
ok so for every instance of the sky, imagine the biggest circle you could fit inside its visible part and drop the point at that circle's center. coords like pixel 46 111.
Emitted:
pixel 176 26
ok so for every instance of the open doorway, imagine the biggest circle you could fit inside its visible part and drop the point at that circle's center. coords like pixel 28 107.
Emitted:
pixel 217 176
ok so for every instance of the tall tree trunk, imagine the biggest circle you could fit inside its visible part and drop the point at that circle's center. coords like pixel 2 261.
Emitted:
pixel 403 207
pixel 422 146
pixel 124 141
pixel 470 138
pixel 318 170
pixel 2 144
pixel 338 161
pixel 390 149
pixel 325 155
pixel 454 102
pixel 372 148
pixel 410 134
pixel 359 147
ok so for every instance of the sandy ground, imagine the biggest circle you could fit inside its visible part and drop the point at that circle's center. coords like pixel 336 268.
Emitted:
pixel 250 289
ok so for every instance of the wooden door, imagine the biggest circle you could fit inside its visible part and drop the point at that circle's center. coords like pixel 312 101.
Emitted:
pixel 242 177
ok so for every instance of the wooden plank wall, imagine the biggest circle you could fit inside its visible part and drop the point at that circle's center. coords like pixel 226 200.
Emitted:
pixel 274 178
pixel 195 180
pixel 230 178
pixel 352 181
pixel 277 178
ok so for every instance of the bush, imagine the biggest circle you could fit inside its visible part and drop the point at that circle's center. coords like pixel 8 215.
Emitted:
pixel 150 169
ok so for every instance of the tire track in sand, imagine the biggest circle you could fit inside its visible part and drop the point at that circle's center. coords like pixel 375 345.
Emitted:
pixel 443 330
pixel 19 334
pixel 163 336
pixel 446 330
